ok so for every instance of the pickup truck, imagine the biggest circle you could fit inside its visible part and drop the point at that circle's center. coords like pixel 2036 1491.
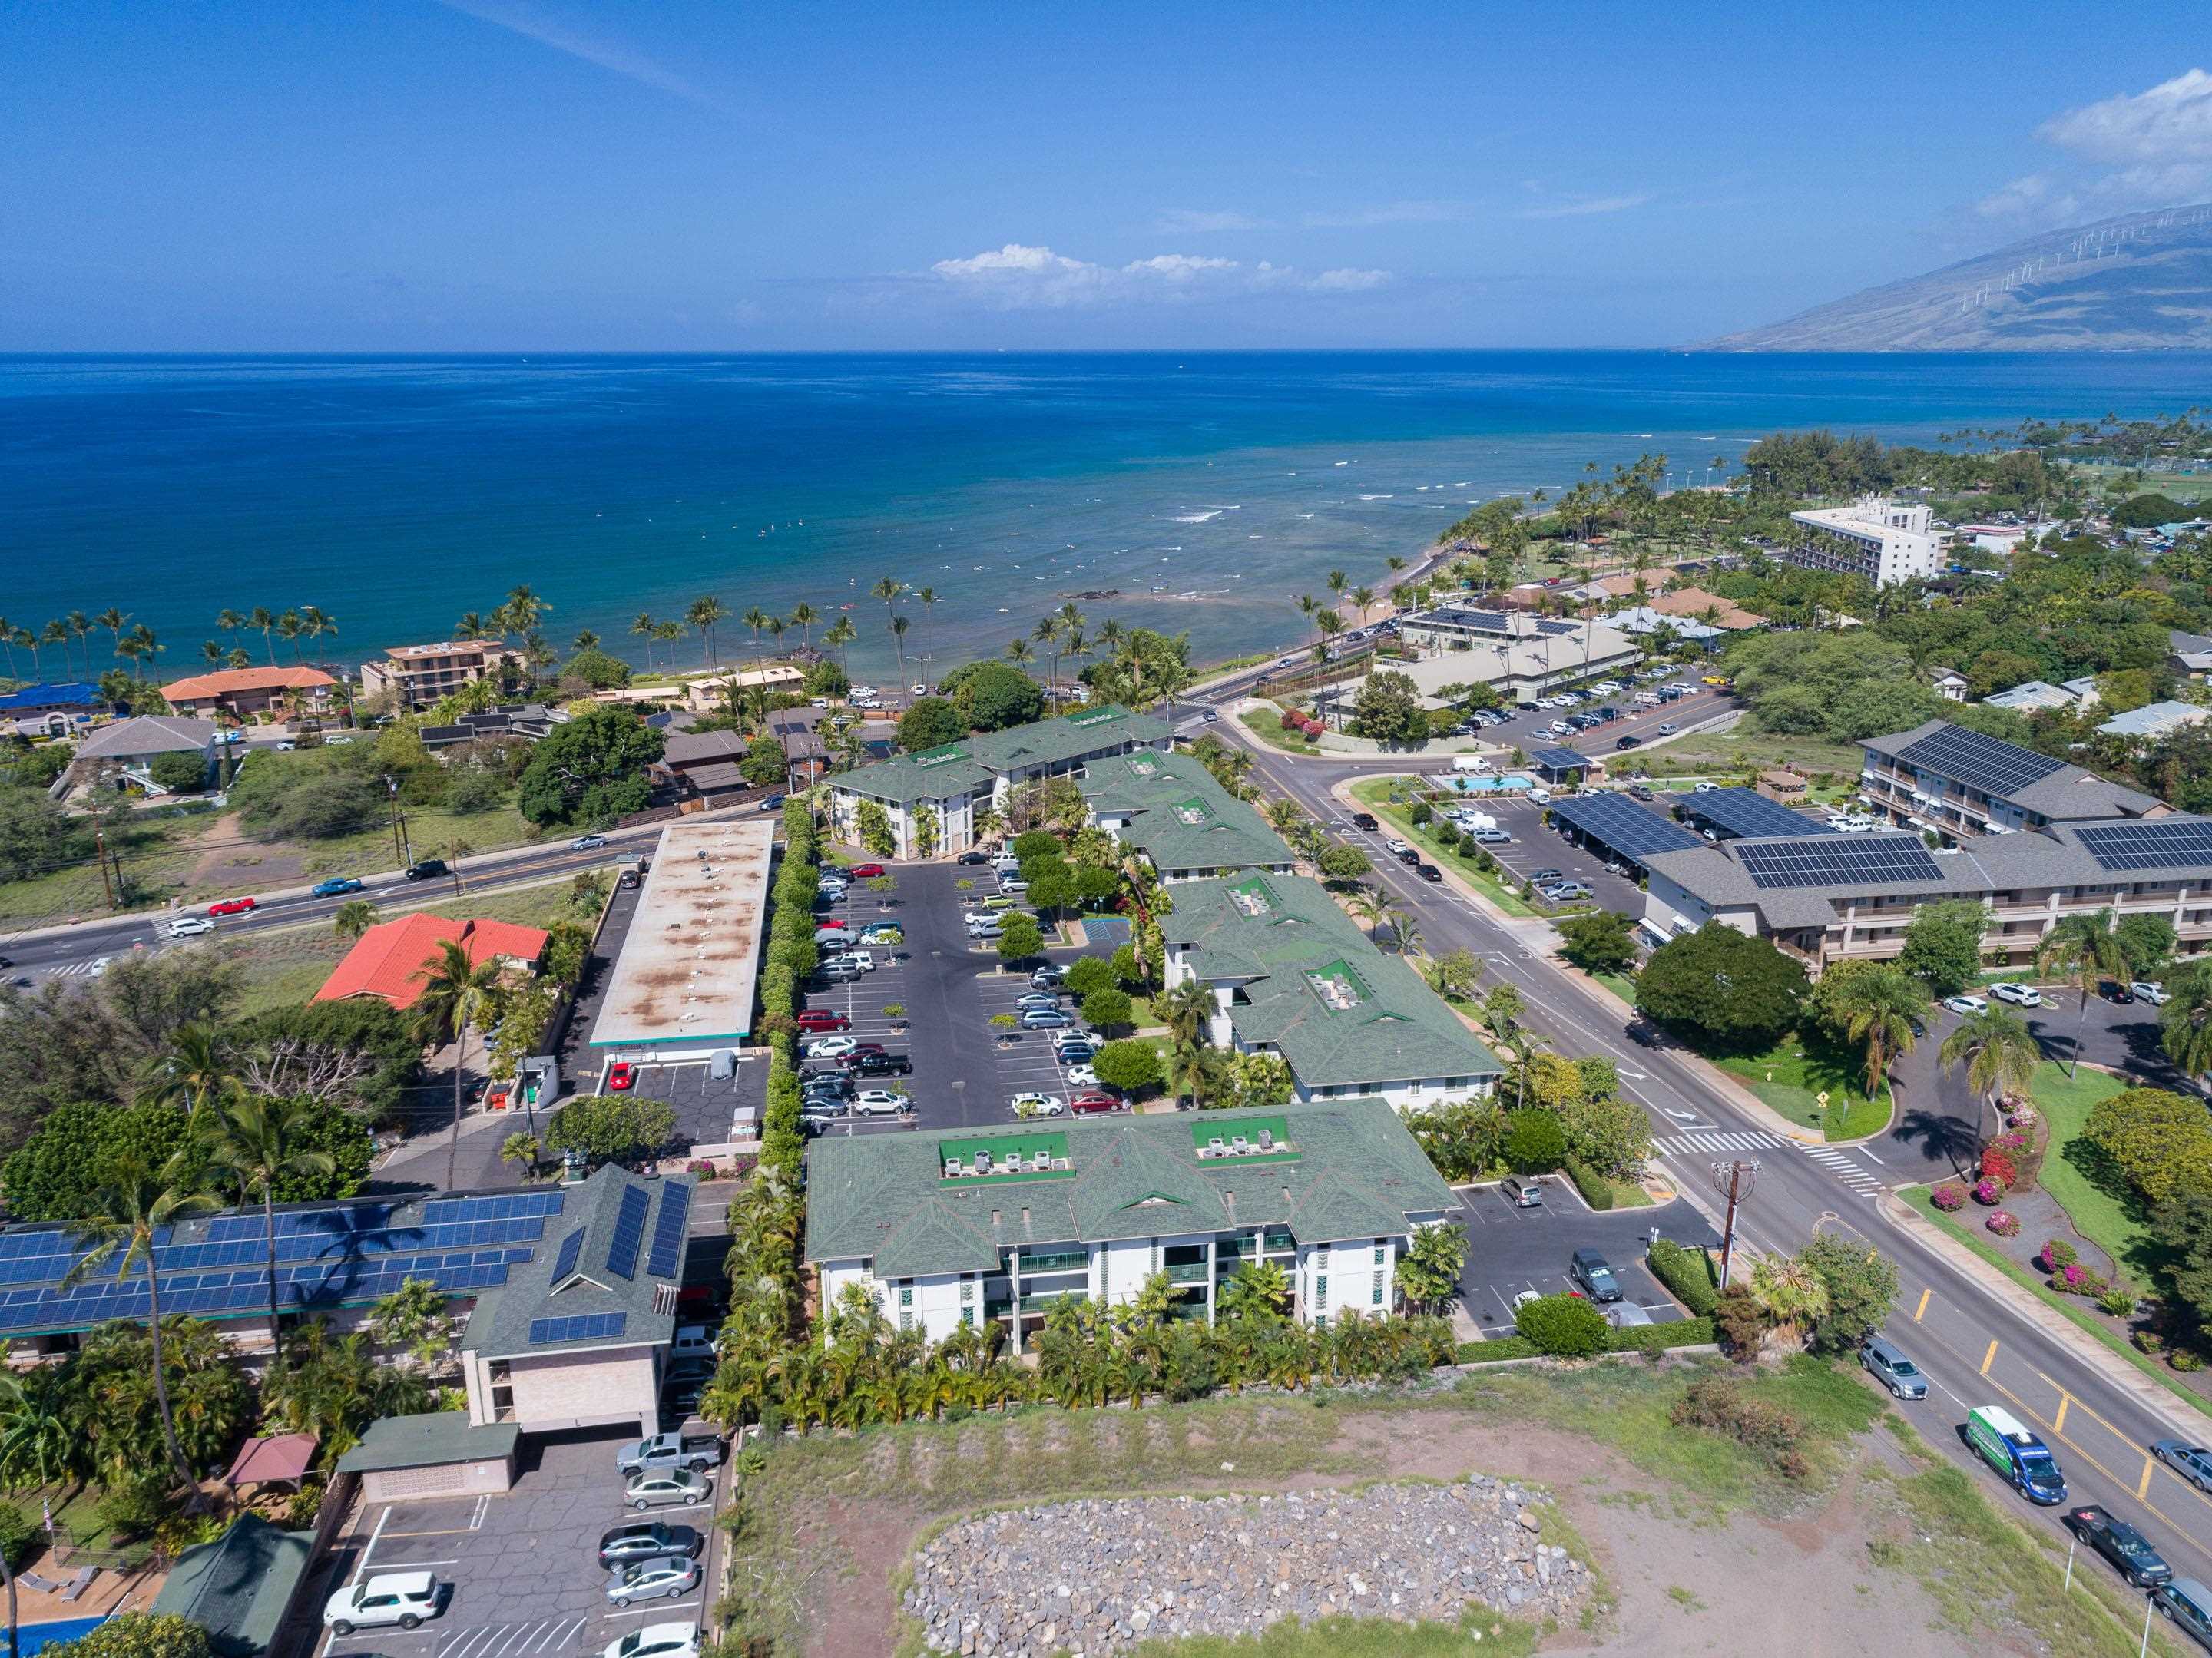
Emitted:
pixel 664 1451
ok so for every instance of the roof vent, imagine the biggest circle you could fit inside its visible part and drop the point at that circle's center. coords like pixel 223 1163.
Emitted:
pixel 1025 1214
pixel 995 1217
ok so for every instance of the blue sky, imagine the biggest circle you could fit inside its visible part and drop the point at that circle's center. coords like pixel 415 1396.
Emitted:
pixel 547 175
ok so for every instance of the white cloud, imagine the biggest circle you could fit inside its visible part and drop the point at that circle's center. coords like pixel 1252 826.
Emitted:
pixel 1362 218
pixel 1186 222
pixel 2158 144
pixel 1019 277
pixel 1580 207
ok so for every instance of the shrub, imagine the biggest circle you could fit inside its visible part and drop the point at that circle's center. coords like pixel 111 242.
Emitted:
pixel 1534 1142
pixel 1596 1191
pixel 1727 1405
pixel 1998 1166
pixel 2003 1223
pixel 2186 1359
pixel 19 1533
pixel 2056 1253
pixel 2119 1301
pixel 1563 1326
pixel 2075 1279
pixel 1988 1191
pixel 1497 1351
pixel 1739 1323
pixel 1948 1198
pixel 1687 1273
pixel 2148 1341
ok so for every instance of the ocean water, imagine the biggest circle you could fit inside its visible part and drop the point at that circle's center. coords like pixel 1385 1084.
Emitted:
pixel 1210 491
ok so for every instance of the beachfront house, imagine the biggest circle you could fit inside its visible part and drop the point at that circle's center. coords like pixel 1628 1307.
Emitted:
pixel 241 693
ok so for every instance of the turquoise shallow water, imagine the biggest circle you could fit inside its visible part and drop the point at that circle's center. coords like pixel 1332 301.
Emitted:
pixel 398 493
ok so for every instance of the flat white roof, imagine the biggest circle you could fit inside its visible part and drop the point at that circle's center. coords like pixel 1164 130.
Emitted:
pixel 686 974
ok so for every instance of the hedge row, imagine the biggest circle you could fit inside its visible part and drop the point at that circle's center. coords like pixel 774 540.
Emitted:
pixel 1597 1192
pixel 791 955
pixel 1687 1274
pixel 1643 1338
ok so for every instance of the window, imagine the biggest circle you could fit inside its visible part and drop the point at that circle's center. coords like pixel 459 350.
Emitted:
pixel 906 1318
pixel 1381 1250
pixel 1321 1260
pixel 905 1295
pixel 968 1316
pixel 968 1287
pixel 1378 1289
pixel 1321 1289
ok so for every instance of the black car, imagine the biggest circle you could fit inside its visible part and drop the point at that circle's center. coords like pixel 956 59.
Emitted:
pixel 1410 859
pixel 647 1540
pixel 1629 742
pixel 882 1064
pixel 2119 995
pixel 973 857
pixel 423 869
pixel 2119 1543
pixel 1428 872
pixel 1363 820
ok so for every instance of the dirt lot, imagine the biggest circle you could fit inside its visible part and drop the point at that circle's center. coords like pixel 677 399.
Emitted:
pixel 1701 1551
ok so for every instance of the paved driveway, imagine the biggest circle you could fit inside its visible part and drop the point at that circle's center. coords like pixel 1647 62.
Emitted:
pixel 1512 1250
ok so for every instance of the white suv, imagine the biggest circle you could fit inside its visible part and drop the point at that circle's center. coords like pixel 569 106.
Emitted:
pixel 404 1598
pixel 2018 995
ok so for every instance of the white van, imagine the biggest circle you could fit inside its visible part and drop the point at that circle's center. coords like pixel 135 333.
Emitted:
pixel 1468 822
pixel 1541 795
pixel 1469 763
pixel 1647 699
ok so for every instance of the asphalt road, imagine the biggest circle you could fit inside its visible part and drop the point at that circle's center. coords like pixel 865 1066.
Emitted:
pixel 1974 1347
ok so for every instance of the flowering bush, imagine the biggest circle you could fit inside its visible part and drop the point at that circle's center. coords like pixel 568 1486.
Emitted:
pixel 701 1166
pixel 2020 1114
pixel 742 1165
pixel 1989 1191
pixel 2004 1223
pixel 2011 1142
pixel 1999 1167
pixel 2075 1279
pixel 2055 1254
pixel 1947 1197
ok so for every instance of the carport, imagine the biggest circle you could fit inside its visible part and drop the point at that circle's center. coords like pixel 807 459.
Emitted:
pixel 1618 826
pixel 402 1457
pixel 1559 767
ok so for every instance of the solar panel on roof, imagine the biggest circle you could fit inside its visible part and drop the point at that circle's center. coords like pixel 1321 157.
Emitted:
pixel 1623 825
pixel 669 1230
pixel 1836 860
pixel 1555 628
pixel 571 1247
pixel 629 1232
pixel 1750 814
pixel 1988 763
pixel 2168 843
pixel 1558 759
pixel 576 1326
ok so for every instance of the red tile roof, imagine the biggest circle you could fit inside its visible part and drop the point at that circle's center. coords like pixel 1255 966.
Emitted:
pixel 231 680
pixel 386 960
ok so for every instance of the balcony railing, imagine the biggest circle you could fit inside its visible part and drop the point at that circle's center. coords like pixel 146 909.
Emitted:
pixel 1062 1260
pixel 1190 1272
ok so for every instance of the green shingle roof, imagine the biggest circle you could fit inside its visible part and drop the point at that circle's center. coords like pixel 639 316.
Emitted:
pixel 237 1588
pixel 882 1197
pixel 1179 816
pixel 974 762
pixel 1339 1012
pixel 430 1441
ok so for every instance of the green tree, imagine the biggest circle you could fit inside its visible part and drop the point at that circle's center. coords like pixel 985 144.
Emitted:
pixel 1128 1067
pixel 1794 1297
pixel 2185 1021
pixel 597 670
pixel 1563 1326
pixel 354 917
pixel 1536 1144
pixel 1860 1286
pixel 459 996
pixel 254 1143
pixel 180 772
pixel 2147 942
pixel 1878 1011
pixel 611 1127
pixel 2083 949
pixel 1724 989
pixel 931 723
pixel 2159 1142
pixel 1999 1052
pixel 1109 1008
pixel 1602 941
pixel 1608 1132
pixel 1019 939
pixel 1463 1139
pixel 1428 1272
pixel 2183 1227
pixel 1260 1079
pixel 991 696
pixel 1943 946
pixel 1340 863
pixel 137 1635
pixel 589 770
pixel 129 1210
pixel 1086 973
pixel 1387 709
pixel 874 825
pixel 763 764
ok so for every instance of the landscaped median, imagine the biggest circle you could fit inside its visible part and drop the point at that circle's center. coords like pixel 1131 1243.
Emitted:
pixel 1265 722
pixel 1789 1078
pixel 1375 794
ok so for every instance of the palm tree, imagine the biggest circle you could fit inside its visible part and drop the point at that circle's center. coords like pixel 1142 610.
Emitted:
pixel 290 627
pixel 1878 1011
pixel 197 1068
pixel 646 628
pixel 926 597
pixel 668 633
pixel 704 614
pixel 256 1142
pixel 354 917
pixel 2084 949
pixel 1310 607
pixel 586 640
pixel 1365 599
pixel 211 653
pixel 803 617
pixel 1792 1294
pixel 1196 1072
pixel 38 1443
pixel 127 1214
pixel 888 588
pixel 8 644
pixel 57 632
pixel 1338 582
pixel 457 996
pixel 1999 1054
pixel 524 609
pixel 899 624
pixel 1048 632
pixel 227 620
pixel 1428 1272
pixel 1019 653
pixel 839 634
pixel 316 623
pixel 2185 1021
pixel 25 637
pixel 1189 1011
pixel 112 620
pixel 472 626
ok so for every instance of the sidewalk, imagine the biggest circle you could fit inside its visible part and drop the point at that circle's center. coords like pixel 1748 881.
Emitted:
pixel 2167 1407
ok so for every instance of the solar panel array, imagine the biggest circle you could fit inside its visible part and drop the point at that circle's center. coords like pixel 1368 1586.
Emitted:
pixel 348 1253
pixel 1836 860
pixel 1558 759
pixel 629 1232
pixel 2169 843
pixel 576 1326
pixel 1988 763
pixel 670 1229
pixel 1750 814
pixel 572 1248
pixel 1622 824
pixel 1491 621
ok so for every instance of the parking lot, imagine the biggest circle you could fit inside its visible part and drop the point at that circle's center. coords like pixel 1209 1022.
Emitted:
pixel 707 1111
pixel 1538 845
pixel 1511 1250
pixel 1701 703
pixel 524 1567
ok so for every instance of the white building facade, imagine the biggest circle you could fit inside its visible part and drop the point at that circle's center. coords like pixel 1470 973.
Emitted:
pixel 1885 541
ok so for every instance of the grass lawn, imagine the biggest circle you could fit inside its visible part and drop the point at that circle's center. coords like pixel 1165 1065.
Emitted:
pixel 1266 724
pixel 1619 985
pixel 1789 1076
pixel 286 966
pixel 1375 795
pixel 2071 1307
pixel 1727 753
pixel 2095 1198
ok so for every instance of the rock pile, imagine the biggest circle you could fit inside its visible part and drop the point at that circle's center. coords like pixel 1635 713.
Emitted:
pixel 1090 1577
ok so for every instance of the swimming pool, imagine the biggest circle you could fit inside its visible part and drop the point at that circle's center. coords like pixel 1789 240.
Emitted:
pixel 1464 783
pixel 32 1637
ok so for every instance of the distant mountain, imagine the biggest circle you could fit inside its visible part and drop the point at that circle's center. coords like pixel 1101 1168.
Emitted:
pixel 2142 282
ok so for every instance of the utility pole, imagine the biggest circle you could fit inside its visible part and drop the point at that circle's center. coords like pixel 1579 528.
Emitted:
pixel 1733 1180
pixel 99 844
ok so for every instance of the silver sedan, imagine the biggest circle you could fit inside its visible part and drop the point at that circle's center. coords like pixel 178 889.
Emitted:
pixel 666 1576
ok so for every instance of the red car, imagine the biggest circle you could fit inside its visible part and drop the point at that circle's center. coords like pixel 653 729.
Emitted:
pixel 868 872
pixel 836 922
pixel 1085 1105
pixel 231 907
pixel 816 1020
pixel 858 1049
pixel 621 1077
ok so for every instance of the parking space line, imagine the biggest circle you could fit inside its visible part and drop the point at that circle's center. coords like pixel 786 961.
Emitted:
pixel 367 1553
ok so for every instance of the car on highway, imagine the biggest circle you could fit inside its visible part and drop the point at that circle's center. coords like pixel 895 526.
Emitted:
pixel 866 871
pixel 1034 1104
pixel 2148 992
pixel 622 1076
pixel 829 1048
pixel 1888 1364
pixel 424 869
pixel 587 843
pixel 2192 1462
pixel 2128 1549
pixel 878 1103
pixel 1428 872
pixel 1667 728
pixel 190 927
pixel 1628 743
pixel 401 1598
pixel 656 1641
pixel 647 1539
pixel 337 886
pixel 1396 848
pixel 232 907
pixel 2018 995
pixel 1363 820
pixel 1966 1003
pixel 2185 1601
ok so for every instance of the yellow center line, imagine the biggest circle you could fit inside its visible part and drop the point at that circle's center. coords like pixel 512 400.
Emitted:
pixel 2128 1440
pixel 1989 1358
pixel 2143 1489
pixel 1923 1307
pixel 2083 1452
pixel 2058 1422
